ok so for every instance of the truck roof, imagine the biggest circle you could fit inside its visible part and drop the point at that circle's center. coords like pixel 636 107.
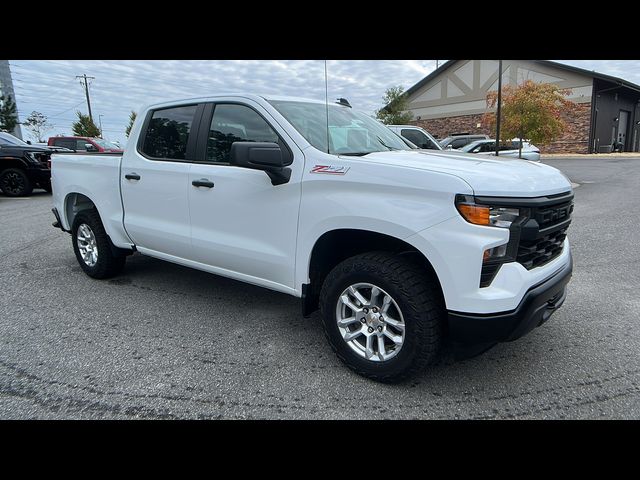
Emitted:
pixel 250 96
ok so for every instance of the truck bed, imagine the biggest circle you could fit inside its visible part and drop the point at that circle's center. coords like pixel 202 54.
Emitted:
pixel 96 175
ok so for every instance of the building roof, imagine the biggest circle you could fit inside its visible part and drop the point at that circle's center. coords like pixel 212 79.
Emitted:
pixel 548 63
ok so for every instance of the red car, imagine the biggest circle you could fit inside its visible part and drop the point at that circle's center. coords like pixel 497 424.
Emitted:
pixel 84 144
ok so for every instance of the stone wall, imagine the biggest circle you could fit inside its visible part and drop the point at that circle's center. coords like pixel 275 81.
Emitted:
pixel 575 138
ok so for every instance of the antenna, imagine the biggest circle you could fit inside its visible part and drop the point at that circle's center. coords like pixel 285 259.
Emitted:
pixel 326 100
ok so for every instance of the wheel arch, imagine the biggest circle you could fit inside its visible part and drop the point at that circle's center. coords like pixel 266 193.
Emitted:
pixel 12 162
pixel 336 245
pixel 74 203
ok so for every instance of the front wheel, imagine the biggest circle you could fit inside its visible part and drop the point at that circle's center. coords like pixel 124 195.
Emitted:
pixel 92 246
pixel 383 315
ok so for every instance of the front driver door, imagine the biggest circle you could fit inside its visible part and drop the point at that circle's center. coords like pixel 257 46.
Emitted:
pixel 240 223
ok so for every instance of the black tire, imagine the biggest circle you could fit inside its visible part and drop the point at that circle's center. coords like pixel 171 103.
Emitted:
pixel 108 264
pixel 417 295
pixel 15 183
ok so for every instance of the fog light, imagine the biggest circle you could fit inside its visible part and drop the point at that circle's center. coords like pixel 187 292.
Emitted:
pixel 494 253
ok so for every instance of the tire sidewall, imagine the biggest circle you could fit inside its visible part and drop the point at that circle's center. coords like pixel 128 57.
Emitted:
pixel 28 188
pixel 389 368
pixel 102 244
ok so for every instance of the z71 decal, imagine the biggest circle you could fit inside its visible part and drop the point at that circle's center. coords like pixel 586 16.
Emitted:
pixel 329 169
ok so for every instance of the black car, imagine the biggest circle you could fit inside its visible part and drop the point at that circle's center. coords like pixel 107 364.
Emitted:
pixel 23 166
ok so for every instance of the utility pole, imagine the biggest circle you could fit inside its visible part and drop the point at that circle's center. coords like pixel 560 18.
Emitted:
pixel 437 64
pixel 83 81
pixel 499 107
pixel 100 121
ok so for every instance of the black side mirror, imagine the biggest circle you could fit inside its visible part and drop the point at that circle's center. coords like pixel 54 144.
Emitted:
pixel 28 142
pixel 264 156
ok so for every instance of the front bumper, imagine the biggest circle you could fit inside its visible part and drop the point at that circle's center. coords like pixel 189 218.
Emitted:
pixel 535 308
pixel 39 175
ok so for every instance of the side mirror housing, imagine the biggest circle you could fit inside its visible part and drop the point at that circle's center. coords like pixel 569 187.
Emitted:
pixel 90 147
pixel 265 156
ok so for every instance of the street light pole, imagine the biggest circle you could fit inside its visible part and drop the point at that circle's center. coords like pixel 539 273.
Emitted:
pixel 499 107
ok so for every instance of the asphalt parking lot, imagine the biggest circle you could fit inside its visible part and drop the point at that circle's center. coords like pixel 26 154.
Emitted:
pixel 163 341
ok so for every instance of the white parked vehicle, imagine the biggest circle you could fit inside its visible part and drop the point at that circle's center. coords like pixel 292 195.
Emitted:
pixel 510 149
pixel 416 135
pixel 401 250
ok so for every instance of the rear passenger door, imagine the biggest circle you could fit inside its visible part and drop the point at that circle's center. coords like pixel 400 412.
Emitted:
pixel 154 180
pixel 241 224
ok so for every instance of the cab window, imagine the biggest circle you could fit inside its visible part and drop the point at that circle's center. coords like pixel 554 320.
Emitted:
pixel 235 123
pixel 168 132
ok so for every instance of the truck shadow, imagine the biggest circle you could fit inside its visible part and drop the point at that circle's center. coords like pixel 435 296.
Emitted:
pixel 276 313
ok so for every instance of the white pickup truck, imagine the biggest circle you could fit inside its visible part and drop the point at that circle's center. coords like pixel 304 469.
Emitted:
pixel 401 250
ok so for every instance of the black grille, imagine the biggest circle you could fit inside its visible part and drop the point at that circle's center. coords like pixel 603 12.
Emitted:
pixel 537 237
pixel 547 217
pixel 534 253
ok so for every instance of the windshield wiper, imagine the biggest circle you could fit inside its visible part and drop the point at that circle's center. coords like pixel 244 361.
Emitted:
pixel 355 154
pixel 385 145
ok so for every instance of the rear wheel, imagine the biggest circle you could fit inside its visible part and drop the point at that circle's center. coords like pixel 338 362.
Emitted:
pixel 15 183
pixel 382 315
pixel 93 248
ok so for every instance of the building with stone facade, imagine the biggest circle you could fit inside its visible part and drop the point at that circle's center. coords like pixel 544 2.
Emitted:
pixel 452 99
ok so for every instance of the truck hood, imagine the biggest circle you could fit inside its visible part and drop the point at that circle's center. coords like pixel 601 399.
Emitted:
pixel 486 176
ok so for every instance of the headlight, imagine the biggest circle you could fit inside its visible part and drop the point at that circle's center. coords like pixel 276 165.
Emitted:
pixel 32 156
pixel 489 215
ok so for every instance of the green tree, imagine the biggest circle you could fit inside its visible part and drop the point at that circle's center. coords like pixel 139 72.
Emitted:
pixel 37 123
pixel 530 111
pixel 84 127
pixel 132 118
pixel 8 115
pixel 394 112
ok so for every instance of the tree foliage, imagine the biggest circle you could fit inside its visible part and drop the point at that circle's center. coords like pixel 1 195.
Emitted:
pixel 37 123
pixel 394 112
pixel 84 126
pixel 8 113
pixel 531 111
pixel 132 118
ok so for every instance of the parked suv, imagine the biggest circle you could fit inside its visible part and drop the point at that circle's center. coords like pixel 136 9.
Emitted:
pixel 416 135
pixel 459 141
pixel 85 144
pixel 402 250
pixel 23 166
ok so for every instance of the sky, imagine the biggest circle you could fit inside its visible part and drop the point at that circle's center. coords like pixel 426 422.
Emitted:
pixel 51 86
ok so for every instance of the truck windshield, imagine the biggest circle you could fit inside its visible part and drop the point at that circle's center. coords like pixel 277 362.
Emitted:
pixel 350 132
pixel 104 143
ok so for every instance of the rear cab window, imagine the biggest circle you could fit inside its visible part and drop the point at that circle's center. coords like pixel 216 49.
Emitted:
pixel 167 133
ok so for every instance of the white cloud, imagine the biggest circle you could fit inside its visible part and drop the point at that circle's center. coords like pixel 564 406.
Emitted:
pixel 50 86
